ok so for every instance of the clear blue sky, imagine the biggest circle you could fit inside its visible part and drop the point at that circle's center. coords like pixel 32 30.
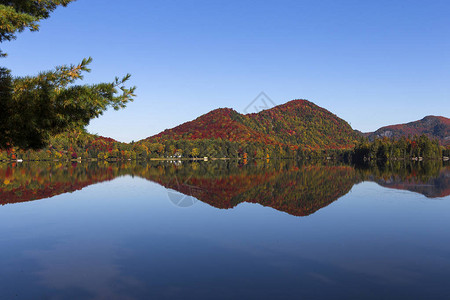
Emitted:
pixel 372 63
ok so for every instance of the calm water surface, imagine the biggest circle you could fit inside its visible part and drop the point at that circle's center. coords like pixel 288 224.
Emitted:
pixel 221 230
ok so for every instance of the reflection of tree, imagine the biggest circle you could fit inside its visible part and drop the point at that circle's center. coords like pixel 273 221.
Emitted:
pixel 289 186
pixel 305 190
pixel 296 189
pixel 429 178
pixel 26 182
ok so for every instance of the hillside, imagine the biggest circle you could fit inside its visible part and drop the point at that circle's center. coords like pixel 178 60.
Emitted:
pixel 433 126
pixel 298 123
pixel 73 145
pixel 222 123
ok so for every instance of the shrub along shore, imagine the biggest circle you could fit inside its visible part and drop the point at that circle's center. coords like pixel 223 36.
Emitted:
pixel 76 146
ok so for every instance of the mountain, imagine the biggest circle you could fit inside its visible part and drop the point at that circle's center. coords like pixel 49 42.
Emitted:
pixel 433 126
pixel 298 123
pixel 221 123
pixel 296 129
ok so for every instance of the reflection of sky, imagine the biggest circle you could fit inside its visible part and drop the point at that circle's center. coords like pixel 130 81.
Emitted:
pixel 124 239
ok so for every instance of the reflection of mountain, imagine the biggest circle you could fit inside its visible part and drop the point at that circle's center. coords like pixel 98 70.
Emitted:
pixel 434 187
pixel 430 178
pixel 297 190
pixel 287 186
pixel 36 181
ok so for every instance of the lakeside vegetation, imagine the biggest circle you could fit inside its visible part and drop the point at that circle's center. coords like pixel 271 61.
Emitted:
pixel 80 145
pixel 415 147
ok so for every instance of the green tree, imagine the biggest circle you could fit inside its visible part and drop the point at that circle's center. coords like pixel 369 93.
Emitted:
pixel 18 15
pixel 36 107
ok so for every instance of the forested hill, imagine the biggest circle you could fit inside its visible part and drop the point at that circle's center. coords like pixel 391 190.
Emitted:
pixel 296 129
pixel 298 123
pixel 433 126
pixel 221 123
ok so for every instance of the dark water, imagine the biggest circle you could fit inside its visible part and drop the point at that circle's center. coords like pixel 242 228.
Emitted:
pixel 221 230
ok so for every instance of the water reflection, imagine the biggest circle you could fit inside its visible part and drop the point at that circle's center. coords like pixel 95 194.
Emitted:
pixel 123 239
pixel 293 187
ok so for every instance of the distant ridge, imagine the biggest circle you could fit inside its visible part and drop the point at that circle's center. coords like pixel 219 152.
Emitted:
pixel 297 123
pixel 433 126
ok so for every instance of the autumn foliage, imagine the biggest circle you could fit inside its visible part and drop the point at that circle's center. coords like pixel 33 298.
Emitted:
pixel 296 124
pixel 290 186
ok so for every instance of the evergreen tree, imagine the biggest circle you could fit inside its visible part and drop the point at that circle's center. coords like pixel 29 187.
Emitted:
pixel 18 15
pixel 36 107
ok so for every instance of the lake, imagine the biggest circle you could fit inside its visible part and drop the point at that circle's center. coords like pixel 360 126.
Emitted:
pixel 224 229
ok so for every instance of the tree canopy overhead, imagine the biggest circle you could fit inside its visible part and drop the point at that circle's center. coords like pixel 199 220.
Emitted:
pixel 18 15
pixel 36 107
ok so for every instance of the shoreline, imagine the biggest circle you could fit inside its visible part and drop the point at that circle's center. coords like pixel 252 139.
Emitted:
pixel 412 159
